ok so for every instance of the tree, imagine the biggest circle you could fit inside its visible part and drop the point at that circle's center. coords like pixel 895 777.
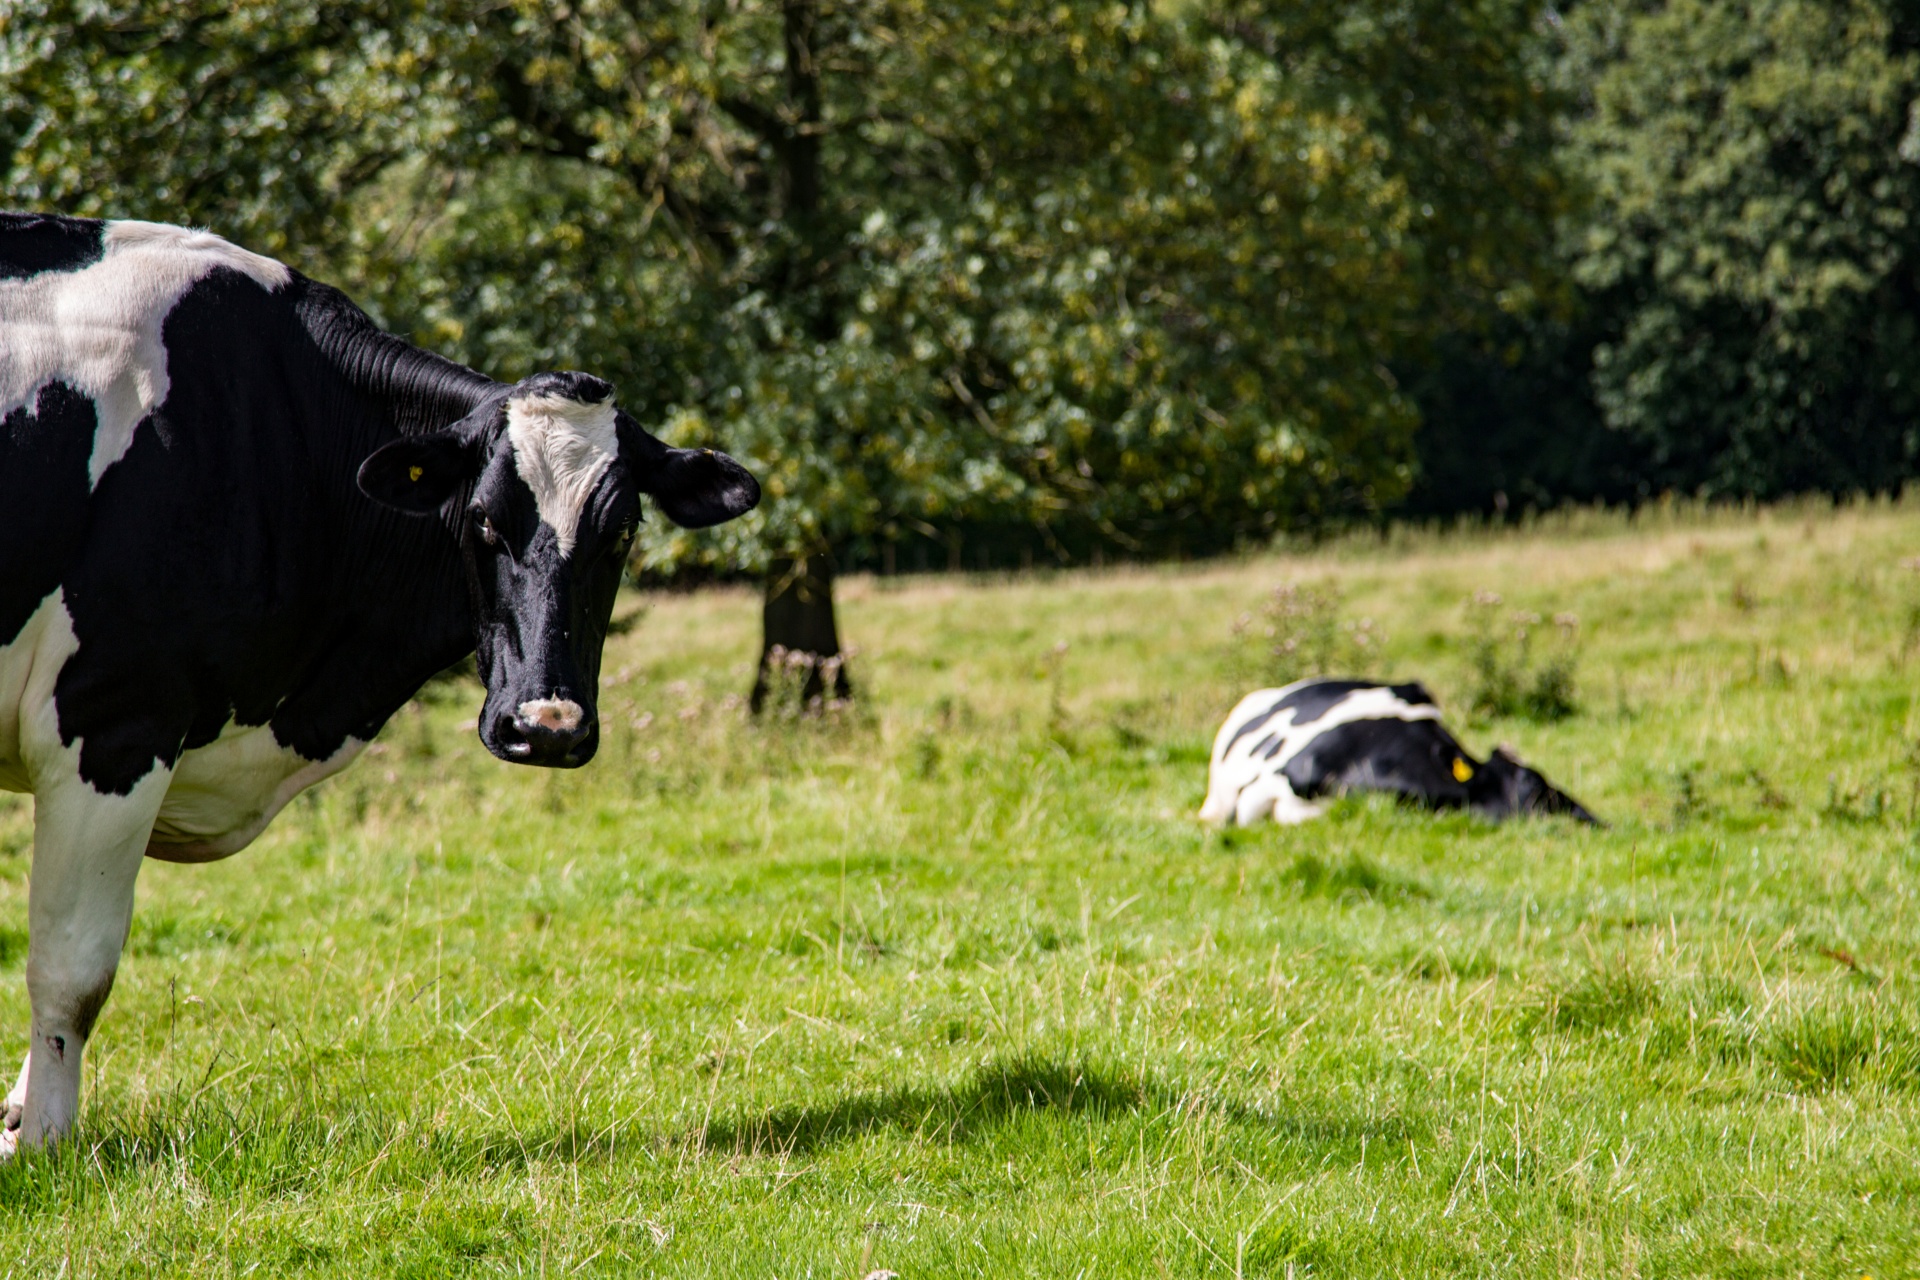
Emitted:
pixel 1751 242
pixel 197 109
pixel 1120 275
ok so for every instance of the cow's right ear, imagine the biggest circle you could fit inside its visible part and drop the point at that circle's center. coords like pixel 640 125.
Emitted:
pixel 417 474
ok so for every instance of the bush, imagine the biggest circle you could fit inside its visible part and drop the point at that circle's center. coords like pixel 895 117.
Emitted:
pixel 1301 634
pixel 1511 675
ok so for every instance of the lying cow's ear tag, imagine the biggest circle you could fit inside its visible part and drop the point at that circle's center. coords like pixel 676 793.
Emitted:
pixel 418 474
pixel 1462 771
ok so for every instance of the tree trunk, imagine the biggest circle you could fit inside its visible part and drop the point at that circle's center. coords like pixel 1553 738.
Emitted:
pixel 798 620
pixel 802 158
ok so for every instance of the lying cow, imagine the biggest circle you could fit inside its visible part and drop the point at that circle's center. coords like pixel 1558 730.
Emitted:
pixel 242 527
pixel 1281 750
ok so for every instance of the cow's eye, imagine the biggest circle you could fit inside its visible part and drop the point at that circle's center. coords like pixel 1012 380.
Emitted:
pixel 485 526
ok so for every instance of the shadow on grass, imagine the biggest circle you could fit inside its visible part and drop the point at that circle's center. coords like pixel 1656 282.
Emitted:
pixel 992 1096
pixel 226 1153
pixel 1001 1093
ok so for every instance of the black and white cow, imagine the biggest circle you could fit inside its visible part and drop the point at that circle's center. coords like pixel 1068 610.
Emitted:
pixel 1282 750
pixel 239 527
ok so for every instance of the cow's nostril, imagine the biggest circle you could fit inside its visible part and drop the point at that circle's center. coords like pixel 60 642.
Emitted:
pixel 511 734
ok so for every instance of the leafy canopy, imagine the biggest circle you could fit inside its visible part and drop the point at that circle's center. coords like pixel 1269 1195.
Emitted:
pixel 1751 241
pixel 1120 273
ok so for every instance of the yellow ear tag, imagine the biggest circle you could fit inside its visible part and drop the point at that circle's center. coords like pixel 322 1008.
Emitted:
pixel 414 473
pixel 1461 770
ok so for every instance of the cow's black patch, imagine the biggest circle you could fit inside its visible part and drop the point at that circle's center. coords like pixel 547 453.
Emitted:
pixel 1410 758
pixel 232 570
pixel 698 488
pixel 44 450
pixel 1503 785
pixel 38 242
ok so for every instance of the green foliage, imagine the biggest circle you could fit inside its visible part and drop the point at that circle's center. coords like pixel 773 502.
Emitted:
pixel 1511 676
pixel 243 114
pixel 1752 167
pixel 1128 275
pixel 1737 306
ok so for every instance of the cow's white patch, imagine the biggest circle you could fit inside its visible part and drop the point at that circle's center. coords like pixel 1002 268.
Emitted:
pixel 557 715
pixel 1271 796
pixel 1244 781
pixel 29 664
pixel 98 329
pixel 561 448
pixel 225 793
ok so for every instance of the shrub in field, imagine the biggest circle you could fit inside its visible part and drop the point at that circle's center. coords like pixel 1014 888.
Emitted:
pixel 1300 633
pixel 1513 675
pixel 788 673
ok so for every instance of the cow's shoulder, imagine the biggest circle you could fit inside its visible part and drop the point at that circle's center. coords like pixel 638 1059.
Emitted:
pixel 162 257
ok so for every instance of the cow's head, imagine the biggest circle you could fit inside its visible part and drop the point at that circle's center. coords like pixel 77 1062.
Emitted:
pixel 543 485
pixel 1504 786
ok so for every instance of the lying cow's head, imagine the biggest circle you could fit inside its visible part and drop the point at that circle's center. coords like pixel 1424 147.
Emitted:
pixel 547 479
pixel 1504 786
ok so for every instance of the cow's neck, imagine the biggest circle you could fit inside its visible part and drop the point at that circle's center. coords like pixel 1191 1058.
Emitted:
pixel 399 577
pixel 412 390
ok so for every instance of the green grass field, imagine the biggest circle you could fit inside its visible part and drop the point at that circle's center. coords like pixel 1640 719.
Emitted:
pixel 956 986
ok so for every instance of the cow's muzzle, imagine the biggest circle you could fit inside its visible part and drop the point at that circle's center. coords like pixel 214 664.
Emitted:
pixel 546 731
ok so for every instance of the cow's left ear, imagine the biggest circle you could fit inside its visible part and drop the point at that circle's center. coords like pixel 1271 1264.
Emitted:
pixel 699 487
pixel 417 474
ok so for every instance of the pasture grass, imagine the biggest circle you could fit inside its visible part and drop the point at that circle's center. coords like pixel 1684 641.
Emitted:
pixel 953 985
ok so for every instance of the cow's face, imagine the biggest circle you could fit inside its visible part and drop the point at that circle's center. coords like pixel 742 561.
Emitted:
pixel 542 485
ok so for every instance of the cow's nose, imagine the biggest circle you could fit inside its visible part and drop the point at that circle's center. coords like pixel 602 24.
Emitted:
pixel 547 730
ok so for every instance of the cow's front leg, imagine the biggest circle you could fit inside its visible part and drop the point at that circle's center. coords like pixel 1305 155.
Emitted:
pixel 87 849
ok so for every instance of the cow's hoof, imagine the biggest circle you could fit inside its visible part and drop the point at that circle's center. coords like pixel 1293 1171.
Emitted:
pixel 9 1139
